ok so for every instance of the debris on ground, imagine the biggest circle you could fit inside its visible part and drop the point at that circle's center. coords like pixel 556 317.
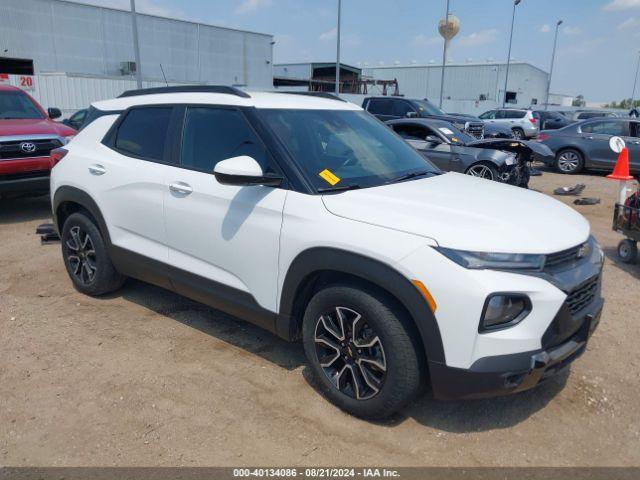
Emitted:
pixel 586 201
pixel 575 190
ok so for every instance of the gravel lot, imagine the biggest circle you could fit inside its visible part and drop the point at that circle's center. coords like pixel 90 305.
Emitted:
pixel 145 377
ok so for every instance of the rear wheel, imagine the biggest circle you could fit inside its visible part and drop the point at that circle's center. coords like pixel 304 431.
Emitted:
pixel 361 351
pixel 86 257
pixel 628 251
pixel 518 133
pixel 483 170
pixel 569 161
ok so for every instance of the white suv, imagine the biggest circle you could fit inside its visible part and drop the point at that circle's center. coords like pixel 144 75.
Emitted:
pixel 309 217
pixel 522 122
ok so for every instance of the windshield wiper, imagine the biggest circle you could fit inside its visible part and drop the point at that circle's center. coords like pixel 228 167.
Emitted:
pixel 340 188
pixel 411 175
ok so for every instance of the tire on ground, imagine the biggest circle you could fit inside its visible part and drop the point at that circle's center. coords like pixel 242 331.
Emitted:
pixel 390 322
pixel 106 278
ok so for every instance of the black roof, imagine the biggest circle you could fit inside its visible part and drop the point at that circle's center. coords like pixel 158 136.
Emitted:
pixel 187 89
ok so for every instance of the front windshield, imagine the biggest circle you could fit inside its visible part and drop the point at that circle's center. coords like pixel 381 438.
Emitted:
pixel 344 148
pixel 428 108
pixel 17 105
pixel 455 135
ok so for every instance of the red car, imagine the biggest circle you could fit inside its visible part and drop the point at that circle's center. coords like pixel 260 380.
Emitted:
pixel 27 136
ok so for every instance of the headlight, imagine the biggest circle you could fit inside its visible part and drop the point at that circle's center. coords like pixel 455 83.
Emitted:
pixel 510 160
pixel 507 261
pixel 504 310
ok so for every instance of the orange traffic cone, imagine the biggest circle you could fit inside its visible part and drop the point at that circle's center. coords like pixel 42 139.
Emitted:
pixel 621 170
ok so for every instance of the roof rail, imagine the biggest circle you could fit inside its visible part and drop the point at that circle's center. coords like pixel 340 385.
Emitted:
pixel 330 96
pixel 187 89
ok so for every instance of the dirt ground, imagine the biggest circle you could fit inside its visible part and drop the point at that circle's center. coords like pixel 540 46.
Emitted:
pixel 145 377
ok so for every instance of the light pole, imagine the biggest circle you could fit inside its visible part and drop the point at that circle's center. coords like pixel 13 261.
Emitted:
pixel 506 75
pixel 635 81
pixel 338 50
pixel 136 47
pixel 553 57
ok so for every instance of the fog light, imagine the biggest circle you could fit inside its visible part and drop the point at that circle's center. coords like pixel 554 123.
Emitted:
pixel 504 310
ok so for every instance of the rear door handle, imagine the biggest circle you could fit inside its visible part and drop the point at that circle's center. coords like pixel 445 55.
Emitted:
pixel 97 169
pixel 180 188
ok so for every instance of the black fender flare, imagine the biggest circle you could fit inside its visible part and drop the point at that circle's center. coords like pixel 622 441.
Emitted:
pixel 80 197
pixel 319 259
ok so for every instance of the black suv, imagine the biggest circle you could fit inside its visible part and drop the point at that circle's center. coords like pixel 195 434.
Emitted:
pixel 393 108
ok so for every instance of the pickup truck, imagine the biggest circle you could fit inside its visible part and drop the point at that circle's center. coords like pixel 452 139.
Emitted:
pixel 28 133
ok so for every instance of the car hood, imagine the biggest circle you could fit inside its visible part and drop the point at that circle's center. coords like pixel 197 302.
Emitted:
pixel 513 145
pixel 33 126
pixel 453 118
pixel 466 213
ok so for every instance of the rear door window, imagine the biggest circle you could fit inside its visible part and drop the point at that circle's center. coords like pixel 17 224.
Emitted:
pixel 514 114
pixel 380 106
pixel 143 133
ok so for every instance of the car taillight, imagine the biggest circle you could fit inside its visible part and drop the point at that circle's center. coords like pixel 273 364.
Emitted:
pixel 57 154
pixel 533 120
pixel 542 137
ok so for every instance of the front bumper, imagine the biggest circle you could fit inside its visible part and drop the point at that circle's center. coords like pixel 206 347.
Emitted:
pixel 32 182
pixel 505 374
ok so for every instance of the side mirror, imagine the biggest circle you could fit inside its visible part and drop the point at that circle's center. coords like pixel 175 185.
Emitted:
pixel 243 171
pixel 411 115
pixel 433 139
pixel 54 113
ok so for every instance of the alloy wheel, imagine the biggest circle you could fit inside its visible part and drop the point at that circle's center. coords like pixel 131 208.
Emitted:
pixel 81 255
pixel 568 162
pixel 481 171
pixel 350 353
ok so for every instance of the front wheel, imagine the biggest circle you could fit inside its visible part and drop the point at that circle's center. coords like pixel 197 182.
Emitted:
pixel 361 351
pixel 628 251
pixel 483 170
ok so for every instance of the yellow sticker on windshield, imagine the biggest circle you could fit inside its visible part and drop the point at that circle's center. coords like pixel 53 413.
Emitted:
pixel 329 177
pixel 454 139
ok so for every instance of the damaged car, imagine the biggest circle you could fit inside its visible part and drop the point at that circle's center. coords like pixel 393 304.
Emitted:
pixel 450 149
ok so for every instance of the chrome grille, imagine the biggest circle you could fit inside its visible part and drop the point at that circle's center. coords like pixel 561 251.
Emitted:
pixel 583 295
pixel 475 129
pixel 12 148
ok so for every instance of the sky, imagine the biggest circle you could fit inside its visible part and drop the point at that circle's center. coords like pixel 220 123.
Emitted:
pixel 598 43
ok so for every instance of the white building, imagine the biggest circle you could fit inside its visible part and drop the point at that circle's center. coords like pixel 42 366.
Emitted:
pixel 76 53
pixel 468 87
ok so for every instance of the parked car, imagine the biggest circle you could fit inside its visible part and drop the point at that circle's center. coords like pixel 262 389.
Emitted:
pixel 586 114
pixel 27 135
pixel 522 122
pixel 585 145
pixel 393 108
pixel 312 219
pixel 453 150
pixel 491 130
pixel 445 146
pixel 550 120
pixel 76 120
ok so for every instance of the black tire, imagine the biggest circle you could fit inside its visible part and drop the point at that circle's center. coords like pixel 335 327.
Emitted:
pixel 484 170
pixel 395 350
pixel 628 251
pixel 569 161
pixel 518 133
pixel 86 257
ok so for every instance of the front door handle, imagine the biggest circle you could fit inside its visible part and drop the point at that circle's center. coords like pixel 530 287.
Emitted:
pixel 180 188
pixel 97 169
